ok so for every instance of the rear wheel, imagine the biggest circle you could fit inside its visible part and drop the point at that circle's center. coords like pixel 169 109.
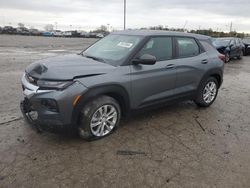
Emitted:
pixel 99 118
pixel 207 92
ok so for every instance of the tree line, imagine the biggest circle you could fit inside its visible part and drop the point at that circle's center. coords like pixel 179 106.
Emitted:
pixel 208 32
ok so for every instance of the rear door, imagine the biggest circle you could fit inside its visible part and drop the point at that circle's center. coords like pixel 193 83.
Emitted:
pixel 191 65
pixel 151 83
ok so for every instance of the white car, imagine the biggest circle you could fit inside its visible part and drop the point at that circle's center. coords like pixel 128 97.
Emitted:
pixel 57 33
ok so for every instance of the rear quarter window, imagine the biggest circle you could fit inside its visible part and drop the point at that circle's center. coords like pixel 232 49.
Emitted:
pixel 208 47
pixel 187 47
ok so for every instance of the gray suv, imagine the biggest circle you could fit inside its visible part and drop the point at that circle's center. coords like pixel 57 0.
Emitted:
pixel 128 70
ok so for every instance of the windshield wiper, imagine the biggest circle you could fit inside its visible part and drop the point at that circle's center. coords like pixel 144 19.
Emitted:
pixel 94 58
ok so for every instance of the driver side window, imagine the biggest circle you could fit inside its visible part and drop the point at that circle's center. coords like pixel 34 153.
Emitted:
pixel 160 47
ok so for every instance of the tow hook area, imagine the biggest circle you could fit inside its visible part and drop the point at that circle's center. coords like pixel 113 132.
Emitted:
pixel 30 115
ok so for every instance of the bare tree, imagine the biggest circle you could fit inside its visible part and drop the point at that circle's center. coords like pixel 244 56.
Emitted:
pixel 49 27
pixel 103 28
pixel 20 25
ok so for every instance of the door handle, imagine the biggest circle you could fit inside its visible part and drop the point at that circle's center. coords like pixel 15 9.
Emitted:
pixel 170 66
pixel 204 61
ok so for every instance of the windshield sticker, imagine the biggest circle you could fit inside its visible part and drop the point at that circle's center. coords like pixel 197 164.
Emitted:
pixel 125 44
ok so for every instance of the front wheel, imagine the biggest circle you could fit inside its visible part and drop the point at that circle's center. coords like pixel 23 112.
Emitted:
pixel 99 118
pixel 241 54
pixel 207 92
pixel 227 57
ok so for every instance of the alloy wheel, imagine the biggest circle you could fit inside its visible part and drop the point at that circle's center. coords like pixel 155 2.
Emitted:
pixel 209 92
pixel 103 120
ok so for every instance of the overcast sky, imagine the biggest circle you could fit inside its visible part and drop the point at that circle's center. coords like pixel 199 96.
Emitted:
pixel 89 14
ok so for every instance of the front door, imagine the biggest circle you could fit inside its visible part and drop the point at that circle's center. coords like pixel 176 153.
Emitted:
pixel 151 83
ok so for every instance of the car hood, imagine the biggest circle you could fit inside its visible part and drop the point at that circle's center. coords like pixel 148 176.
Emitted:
pixel 67 67
pixel 246 43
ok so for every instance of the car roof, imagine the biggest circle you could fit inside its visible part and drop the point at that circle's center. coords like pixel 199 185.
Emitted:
pixel 225 38
pixel 160 33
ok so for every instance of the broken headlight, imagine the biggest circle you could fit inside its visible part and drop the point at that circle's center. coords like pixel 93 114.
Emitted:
pixel 44 84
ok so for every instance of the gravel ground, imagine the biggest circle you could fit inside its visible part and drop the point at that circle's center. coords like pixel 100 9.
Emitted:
pixel 176 146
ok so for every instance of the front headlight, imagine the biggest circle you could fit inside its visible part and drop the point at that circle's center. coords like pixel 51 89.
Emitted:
pixel 44 84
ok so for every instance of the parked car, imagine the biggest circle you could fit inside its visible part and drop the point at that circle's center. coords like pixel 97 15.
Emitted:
pixel 35 32
pixel 57 33
pixel 100 35
pixel 123 72
pixel 83 34
pixel 93 35
pixel 67 33
pixel 75 34
pixel 47 34
pixel 9 30
pixel 1 30
pixel 230 47
pixel 246 42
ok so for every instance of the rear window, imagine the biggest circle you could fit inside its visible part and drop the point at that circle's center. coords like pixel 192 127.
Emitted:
pixel 187 47
pixel 221 42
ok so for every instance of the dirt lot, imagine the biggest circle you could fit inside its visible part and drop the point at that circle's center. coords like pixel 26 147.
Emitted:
pixel 176 146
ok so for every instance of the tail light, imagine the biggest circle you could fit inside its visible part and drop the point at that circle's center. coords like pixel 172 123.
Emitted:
pixel 222 57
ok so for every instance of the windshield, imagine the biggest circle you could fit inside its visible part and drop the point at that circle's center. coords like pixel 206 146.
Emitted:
pixel 112 49
pixel 221 42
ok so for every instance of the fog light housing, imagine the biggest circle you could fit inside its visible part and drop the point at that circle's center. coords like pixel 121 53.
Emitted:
pixel 50 104
pixel 33 115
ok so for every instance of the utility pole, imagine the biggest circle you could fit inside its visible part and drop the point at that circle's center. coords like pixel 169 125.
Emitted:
pixel 124 27
pixel 184 27
pixel 231 27
pixel 56 25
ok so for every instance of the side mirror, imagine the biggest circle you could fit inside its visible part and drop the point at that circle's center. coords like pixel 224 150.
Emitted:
pixel 145 59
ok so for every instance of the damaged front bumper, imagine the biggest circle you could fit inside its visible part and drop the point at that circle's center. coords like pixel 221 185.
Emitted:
pixel 49 110
pixel 30 115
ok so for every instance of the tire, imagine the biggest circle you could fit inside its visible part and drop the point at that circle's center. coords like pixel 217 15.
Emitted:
pixel 227 57
pixel 95 121
pixel 241 54
pixel 201 99
pixel 244 53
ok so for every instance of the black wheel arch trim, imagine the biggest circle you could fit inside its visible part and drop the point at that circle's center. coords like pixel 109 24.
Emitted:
pixel 217 73
pixel 116 91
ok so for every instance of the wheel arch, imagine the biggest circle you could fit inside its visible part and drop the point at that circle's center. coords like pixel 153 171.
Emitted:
pixel 216 73
pixel 218 78
pixel 117 92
